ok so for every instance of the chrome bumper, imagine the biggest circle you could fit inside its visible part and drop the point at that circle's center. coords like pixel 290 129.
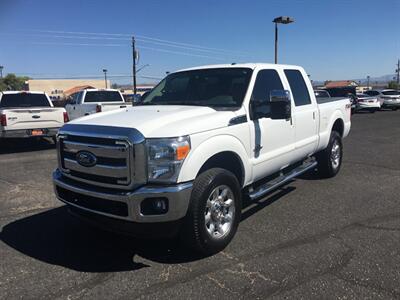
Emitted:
pixel 23 133
pixel 178 199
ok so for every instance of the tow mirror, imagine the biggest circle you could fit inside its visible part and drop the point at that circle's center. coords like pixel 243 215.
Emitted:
pixel 281 107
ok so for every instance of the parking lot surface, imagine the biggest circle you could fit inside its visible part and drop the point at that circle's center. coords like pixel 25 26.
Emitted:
pixel 311 239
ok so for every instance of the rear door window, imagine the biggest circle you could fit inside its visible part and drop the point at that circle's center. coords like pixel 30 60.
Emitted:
pixel 21 100
pixel 299 88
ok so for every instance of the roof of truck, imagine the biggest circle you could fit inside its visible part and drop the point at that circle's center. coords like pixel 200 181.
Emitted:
pixel 244 65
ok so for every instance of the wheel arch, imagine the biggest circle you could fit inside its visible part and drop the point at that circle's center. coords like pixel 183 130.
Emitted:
pixel 213 153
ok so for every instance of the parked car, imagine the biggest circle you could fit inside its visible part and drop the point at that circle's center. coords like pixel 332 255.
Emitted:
pixel 29 114
pixel 180 162
pixel 388 98
pixel 91 101
pixel 366 102
pixel 321 94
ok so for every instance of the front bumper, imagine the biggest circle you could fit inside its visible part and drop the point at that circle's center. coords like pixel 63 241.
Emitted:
pixel 24 133
pixel 124 205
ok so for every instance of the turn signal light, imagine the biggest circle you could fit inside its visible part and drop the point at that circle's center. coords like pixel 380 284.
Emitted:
pixel 182 152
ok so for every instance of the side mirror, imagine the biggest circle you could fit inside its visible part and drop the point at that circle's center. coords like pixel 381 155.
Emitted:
pixel 281 105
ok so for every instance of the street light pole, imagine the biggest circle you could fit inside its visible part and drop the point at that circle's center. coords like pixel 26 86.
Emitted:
pixel 276 42
pixel 368 77
pixel 1 72
pixel 134 65
pixel 280 20
pixel 105 77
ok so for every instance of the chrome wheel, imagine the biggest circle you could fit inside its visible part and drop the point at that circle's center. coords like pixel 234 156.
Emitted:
pixel 219 212
pixel 335 154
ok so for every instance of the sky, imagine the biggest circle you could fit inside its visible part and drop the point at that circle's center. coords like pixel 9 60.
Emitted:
pixel 76 38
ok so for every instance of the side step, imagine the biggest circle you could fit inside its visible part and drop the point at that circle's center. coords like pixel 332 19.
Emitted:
pixel 282 179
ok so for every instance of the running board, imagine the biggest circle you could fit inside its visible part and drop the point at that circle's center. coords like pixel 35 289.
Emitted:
pixel 282 179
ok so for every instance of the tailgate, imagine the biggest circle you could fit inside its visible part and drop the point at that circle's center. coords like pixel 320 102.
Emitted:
pixel 34 118
pixel 112 106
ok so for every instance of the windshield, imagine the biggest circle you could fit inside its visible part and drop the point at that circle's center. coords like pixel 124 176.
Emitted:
pixel 222 87
pixel 103 96
pixel 24 100
pixel 391 93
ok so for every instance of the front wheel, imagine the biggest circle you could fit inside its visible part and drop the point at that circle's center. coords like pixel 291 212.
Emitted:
pixel 330 159
pixel 214 211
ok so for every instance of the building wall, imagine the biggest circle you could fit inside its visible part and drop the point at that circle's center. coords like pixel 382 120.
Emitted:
pixel 55 87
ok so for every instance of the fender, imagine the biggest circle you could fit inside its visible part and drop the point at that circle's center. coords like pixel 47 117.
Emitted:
pixel 209 147
pixel 326 128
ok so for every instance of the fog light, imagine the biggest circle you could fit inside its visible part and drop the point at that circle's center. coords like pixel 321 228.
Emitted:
pixel 154 206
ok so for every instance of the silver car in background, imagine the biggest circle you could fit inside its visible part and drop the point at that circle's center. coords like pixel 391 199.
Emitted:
pixel 388 98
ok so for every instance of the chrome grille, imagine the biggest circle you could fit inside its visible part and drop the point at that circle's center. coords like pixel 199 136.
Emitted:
pixel 116 159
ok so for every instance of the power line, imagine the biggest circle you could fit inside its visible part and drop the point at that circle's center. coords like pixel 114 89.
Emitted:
pixel 144 37
pixel 119 38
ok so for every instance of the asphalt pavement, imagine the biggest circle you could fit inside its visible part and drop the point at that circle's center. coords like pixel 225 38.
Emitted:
pixel 311 239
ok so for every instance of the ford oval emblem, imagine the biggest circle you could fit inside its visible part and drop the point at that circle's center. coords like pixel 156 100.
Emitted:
pixel 86 159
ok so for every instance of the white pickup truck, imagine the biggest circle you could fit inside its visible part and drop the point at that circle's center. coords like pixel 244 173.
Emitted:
pixel 201 139
pixel 91 101
pixel 29 114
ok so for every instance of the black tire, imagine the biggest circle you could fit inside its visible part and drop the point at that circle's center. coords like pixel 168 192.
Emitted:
pixel 195 232
pixel 372 111
pixel 394 108
pixel 327 166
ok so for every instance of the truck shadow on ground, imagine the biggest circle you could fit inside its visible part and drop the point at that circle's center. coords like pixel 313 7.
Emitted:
pixel 57 238
pixel 8 146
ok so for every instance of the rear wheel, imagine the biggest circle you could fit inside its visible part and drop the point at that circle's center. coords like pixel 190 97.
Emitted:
pixel 394 108
pixel 214 211
pixel 330 159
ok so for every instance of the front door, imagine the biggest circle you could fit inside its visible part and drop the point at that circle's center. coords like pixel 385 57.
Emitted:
pixel 272 140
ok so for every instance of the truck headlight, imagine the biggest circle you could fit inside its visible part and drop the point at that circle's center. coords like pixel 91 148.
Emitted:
pixel 165 158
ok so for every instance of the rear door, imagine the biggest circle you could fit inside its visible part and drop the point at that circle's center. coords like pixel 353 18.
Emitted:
pixel 305 114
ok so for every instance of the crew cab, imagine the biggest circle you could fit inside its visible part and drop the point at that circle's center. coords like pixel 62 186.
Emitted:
pixel 91 101
pixel 202 139
pixel 29 114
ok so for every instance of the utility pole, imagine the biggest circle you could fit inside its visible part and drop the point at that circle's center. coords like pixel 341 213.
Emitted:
pixel 105 77
pixel 368 77
pixel 1 72
pixel 134 65
pixel 398 72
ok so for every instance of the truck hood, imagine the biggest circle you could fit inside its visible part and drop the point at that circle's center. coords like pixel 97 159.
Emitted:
pixel 162 121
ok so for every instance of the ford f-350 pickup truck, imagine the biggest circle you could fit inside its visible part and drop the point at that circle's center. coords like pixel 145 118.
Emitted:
pixel 202 139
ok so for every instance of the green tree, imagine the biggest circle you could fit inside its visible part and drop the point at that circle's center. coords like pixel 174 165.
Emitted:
pixel 393 85
pixel 114 86
pixel 13 83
